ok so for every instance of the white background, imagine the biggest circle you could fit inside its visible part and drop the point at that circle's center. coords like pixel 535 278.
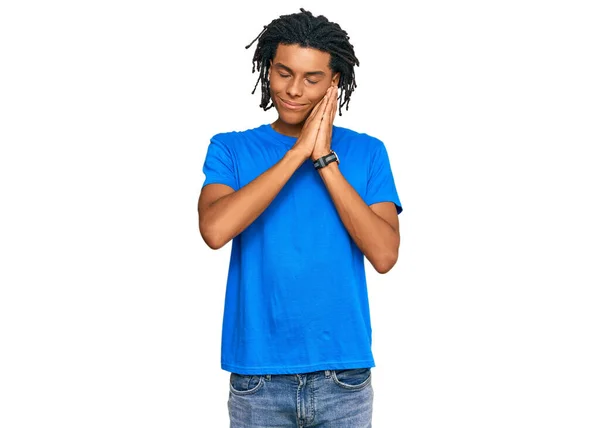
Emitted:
pixel 111 304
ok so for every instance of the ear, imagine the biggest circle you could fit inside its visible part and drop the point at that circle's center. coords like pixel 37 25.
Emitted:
pixel 336 79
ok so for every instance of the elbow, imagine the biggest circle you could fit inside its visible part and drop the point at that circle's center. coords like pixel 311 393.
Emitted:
pixel 387 260
pixel 385 264
pixel 213 243
pixel 211 236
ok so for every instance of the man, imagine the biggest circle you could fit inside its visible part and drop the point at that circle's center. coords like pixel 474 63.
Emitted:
pixel 304 202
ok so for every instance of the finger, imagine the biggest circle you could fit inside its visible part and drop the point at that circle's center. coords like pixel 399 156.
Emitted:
pixel 325 124
pixel 323 106
pixel 332 102
pixel 329 106
pixel 335 104
pixel 328 98
pixel 316 116
pixel 316 108
pixel 330 114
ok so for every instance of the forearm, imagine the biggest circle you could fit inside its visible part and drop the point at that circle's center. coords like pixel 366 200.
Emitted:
pixel 376 238
pixel 230 215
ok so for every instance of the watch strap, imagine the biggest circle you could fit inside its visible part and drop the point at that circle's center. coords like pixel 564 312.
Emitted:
pixel 326 160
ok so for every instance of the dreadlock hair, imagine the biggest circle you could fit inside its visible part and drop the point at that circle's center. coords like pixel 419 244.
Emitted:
pixel 309 31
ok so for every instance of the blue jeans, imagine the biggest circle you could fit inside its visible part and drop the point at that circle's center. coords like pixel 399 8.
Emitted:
pixel 321 399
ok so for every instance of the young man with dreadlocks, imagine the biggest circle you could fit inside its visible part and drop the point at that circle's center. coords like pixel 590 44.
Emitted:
pixel 304 202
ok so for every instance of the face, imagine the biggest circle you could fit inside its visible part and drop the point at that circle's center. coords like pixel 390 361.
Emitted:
pixel 299 78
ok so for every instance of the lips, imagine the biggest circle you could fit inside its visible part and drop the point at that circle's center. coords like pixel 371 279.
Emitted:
pixel 291 105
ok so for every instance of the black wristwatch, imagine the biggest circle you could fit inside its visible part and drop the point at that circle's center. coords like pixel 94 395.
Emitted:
pixel 326 160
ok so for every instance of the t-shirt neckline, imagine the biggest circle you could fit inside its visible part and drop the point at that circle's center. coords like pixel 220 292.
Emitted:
pixel 286 139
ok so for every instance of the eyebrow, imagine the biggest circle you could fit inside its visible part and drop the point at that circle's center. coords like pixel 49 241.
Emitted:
pixel 308 73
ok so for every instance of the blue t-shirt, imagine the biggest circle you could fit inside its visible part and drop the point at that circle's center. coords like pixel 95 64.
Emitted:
pixel 296 299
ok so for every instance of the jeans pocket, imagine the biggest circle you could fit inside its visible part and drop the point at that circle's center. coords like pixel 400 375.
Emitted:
pixel 241 384
pixel 353 379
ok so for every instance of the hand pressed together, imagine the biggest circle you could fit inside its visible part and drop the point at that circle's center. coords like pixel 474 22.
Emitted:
pixel 315 138
pixel 323 141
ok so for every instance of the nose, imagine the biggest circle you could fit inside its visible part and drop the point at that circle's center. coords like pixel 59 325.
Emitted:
pixel 294 88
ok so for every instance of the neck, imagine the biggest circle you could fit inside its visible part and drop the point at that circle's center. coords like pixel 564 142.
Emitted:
pixel 287 129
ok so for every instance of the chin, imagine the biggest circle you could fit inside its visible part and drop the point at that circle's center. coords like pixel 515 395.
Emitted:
pixel 292 119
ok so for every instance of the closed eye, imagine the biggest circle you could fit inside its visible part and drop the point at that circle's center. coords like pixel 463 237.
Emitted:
pixel 287 75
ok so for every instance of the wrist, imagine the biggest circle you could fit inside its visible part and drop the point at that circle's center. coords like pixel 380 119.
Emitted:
pixel 326 160
pixel 319 154
pixel 329 170
pixel 296 155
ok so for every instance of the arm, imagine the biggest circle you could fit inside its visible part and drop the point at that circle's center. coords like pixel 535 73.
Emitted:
pixel 374 229
pixel 224 213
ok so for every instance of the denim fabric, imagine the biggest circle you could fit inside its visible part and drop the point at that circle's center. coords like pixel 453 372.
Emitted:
pixel 321 399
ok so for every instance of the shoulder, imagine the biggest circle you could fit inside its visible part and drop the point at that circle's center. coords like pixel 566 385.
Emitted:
pixel 232 138
pixel 357 139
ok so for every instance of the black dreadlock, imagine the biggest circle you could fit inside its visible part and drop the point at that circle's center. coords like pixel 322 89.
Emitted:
pixel 307 31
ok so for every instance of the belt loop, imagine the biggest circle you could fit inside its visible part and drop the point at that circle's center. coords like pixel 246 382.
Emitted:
pixel 327 373
pixel 268 378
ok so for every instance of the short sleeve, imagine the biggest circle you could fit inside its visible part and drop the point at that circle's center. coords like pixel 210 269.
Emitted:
pixel 380 185
pixel 219 167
